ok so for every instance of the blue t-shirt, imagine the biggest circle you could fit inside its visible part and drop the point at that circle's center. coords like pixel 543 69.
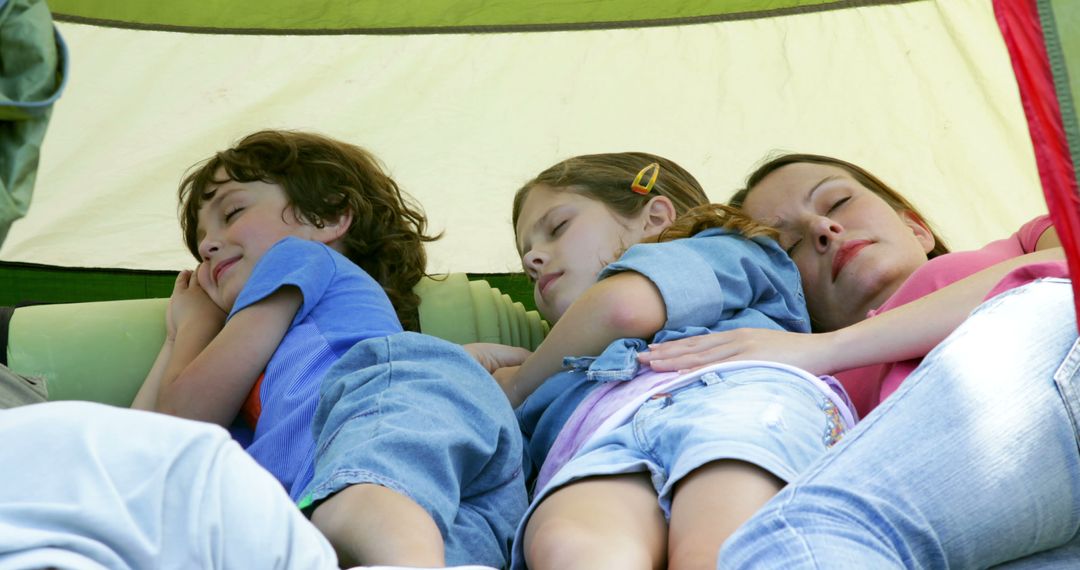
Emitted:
pixel 714 281
pixel 341 306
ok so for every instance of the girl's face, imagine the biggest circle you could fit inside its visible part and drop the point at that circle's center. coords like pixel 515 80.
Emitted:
pixel 565 239
pixel 853 250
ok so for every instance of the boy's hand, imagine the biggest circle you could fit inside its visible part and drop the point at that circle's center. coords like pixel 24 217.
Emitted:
pixel 189 301
pixel 494 356
pixel 811 352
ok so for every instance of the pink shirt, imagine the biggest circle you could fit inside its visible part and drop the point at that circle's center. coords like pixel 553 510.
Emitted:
pixel 869 385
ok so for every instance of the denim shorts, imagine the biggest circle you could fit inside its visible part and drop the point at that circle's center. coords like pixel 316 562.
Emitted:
pixel 419 416
pixel 770 418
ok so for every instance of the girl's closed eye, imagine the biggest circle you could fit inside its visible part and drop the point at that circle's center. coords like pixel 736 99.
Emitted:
pixel 231 212
pixel 791 248
pixel 559 227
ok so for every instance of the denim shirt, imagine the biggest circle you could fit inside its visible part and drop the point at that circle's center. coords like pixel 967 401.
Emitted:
pixel 714 281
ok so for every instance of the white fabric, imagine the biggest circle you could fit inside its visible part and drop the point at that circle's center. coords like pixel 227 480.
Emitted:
pixel 921 93
pixel 87 486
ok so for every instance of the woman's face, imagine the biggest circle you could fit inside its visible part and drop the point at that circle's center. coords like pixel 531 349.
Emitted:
pixel 852 248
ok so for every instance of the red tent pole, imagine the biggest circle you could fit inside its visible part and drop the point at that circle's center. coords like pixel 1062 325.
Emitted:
pixel 1024 36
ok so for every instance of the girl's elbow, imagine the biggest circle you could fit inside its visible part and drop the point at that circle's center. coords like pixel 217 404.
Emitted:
pixel 631 319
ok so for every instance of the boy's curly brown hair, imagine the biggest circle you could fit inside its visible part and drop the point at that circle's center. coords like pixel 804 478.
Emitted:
pixel 324 178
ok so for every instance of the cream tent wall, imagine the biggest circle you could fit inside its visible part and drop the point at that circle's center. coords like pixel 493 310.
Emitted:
pixel 464 101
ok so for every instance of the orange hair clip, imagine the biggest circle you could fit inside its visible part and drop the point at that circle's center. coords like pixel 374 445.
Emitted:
pixel 636 184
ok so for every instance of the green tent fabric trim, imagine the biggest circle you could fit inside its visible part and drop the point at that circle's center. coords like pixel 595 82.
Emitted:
pixel 1060 20
pixel 22 283
pixel 423 16
pixel 32 284
pixel 33 70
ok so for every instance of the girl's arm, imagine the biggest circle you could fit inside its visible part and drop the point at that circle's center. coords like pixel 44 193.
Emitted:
pixel 907 331
pixel 211 368
pixel 623 305
pixel 493 356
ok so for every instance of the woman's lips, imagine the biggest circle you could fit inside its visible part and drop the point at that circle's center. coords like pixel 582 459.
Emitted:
pixel 846 253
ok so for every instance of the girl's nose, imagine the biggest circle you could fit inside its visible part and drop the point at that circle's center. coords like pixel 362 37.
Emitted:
pixel 534 260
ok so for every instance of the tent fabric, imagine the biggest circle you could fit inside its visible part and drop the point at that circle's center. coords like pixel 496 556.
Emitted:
pixel 32 73
pixel 922 93
pixel 1033 36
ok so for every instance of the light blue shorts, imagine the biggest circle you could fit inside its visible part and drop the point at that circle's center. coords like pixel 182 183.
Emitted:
pixel 419 416
pixel 763 416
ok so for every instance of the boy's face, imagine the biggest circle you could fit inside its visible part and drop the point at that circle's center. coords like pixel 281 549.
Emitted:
pixel 238 222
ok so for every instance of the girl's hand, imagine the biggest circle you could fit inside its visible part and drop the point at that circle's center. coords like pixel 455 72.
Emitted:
pixel 189 301
pixel 811 352
pixel 506 376
pixel 494 356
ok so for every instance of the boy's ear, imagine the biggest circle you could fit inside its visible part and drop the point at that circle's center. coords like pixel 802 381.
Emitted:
pixel 918 227
pixel 659 214
pixel 334 230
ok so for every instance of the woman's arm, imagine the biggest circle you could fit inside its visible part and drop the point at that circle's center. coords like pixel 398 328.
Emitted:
pixel 907 331
pixel 914 329
pixel 1048 240
pixel 624 305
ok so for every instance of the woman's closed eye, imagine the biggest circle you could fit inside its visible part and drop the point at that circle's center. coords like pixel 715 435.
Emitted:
pixel 791 248
pixel 838 203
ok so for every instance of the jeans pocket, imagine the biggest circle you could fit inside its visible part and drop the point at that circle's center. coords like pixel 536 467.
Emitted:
pixel 1067 379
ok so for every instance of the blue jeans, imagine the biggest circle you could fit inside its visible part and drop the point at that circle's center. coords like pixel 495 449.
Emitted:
pixel 91 486
pixel 972 462
pixel 418 415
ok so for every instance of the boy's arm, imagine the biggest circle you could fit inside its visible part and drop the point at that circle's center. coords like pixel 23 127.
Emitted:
pixel 907 331
pixel 623 305
pixel 184 302
pixel 210 373
pixel 146 397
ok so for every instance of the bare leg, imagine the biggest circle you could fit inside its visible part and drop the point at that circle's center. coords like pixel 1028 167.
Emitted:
pixel 372 525
pixel 709 504
pixel 601 522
